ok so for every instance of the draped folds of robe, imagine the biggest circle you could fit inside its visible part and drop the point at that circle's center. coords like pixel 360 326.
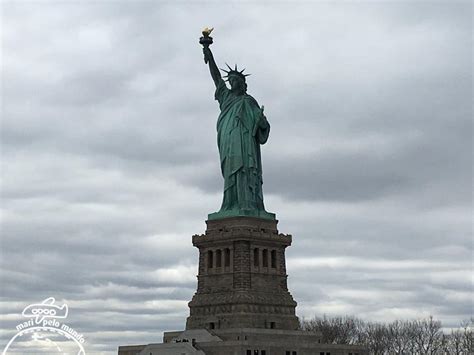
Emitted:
pixel 239 135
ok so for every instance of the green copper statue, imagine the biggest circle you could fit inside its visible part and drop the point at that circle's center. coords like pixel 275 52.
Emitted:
pixel 241 128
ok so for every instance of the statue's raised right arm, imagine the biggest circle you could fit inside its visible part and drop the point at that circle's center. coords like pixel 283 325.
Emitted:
pixel 209 58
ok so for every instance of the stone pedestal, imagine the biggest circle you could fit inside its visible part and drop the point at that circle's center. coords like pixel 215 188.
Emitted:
pixel 242 280
pixel 242 305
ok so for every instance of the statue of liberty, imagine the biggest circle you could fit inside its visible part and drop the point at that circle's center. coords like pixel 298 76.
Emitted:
pixel 241 128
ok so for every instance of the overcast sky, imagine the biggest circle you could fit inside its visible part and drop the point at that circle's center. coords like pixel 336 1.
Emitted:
pixel 110 163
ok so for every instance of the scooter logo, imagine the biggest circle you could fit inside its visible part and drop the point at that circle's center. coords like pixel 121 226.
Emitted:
pixel 45 309
pixel 44 332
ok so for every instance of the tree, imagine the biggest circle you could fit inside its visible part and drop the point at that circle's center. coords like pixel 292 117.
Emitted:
pixel 376 338
pixel 399 337
pixel 337 330
pixel 468 341
pixel 427 335
pixel 454 345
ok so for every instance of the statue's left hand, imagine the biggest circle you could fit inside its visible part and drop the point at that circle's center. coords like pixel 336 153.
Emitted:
pixel 263 119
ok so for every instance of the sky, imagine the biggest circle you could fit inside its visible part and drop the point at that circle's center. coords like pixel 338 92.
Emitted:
pixel 110 162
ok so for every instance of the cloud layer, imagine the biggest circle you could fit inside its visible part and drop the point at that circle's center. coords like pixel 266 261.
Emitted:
pixel 110 162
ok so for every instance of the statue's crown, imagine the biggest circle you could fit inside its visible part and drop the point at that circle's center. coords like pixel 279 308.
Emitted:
pixel 235 72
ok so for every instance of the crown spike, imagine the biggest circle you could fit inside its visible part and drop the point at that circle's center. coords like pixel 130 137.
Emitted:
pixel 234 71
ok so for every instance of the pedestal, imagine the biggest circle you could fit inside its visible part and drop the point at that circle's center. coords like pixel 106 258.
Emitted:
pixel 242 280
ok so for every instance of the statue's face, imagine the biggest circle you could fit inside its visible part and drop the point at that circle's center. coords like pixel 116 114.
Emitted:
pixel 237 84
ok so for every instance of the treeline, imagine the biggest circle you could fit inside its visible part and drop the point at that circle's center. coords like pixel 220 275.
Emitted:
pixel 411 337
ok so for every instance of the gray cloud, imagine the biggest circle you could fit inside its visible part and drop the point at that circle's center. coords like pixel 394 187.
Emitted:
pixel 110 163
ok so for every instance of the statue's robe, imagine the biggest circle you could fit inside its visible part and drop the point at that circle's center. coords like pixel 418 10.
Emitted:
pixel 239 135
